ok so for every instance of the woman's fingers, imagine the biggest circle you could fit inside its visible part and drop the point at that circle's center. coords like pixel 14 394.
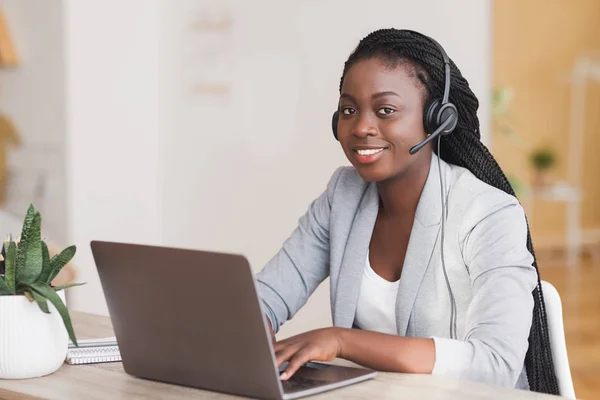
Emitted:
pixel 285 353
pixel 317 345
pixel 299 358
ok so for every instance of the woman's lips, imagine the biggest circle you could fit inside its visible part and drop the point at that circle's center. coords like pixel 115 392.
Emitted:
pixel 369 156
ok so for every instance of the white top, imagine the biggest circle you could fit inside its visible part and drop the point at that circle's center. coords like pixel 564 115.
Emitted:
pixel 376 307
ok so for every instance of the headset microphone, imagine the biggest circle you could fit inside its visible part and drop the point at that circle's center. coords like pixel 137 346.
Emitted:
pixel 438 131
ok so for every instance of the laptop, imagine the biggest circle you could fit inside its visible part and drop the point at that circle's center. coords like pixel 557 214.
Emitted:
pixel 193 318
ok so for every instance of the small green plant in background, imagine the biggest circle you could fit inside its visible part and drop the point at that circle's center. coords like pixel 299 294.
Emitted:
pixel 543 158
pixel 27 269
pixel 501 99
pixel 502 120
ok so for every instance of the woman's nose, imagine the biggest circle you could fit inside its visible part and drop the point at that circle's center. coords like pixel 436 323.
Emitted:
pixel 365 126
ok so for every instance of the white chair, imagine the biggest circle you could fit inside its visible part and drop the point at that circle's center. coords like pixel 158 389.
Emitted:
pixel 558 343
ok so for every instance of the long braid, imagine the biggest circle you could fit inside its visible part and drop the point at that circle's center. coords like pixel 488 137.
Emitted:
pixel 463 148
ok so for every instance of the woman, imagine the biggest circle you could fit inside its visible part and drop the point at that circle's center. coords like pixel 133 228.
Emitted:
pixel 472 309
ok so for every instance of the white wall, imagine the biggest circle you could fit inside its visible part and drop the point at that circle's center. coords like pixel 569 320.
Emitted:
pixel 112 131
pixel 33 97
pixel 241 169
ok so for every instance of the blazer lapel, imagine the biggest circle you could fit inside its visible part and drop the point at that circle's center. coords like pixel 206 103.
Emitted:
pixel 418 256
pixel 354 259
pixel 423 238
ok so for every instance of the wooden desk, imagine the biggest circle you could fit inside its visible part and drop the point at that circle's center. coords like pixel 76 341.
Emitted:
pixel 109 381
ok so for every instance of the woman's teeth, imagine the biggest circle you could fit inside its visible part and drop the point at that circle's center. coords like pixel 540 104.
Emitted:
pixel 369 152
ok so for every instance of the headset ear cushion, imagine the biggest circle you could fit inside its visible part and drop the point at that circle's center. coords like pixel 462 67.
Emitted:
pixel 437 113
pixel 334 124
pixel 431 123
pixel 448 110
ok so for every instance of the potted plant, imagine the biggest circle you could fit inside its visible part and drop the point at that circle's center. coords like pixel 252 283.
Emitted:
pixel 35 325
pixel 543 160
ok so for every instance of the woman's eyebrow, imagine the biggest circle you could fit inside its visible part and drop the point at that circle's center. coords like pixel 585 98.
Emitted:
pixel 374 96
pixel 386 93
pixel 347 96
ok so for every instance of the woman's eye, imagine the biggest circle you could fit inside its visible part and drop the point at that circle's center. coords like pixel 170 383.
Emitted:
pixel 348 110
pixel 386 111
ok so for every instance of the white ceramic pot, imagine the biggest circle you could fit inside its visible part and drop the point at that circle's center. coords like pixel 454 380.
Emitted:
pixel 32 343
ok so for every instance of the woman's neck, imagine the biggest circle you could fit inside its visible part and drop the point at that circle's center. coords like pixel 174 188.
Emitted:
pixel 400 195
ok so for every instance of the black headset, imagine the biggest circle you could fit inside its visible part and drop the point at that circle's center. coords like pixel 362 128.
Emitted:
pixel 441 116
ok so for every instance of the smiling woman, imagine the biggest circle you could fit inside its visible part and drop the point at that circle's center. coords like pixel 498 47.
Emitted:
pixel 429 253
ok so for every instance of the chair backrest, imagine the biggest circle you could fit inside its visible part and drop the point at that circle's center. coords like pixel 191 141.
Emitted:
pixel 558 343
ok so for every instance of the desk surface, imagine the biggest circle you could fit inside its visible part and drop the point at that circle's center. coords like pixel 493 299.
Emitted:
pixel 109 381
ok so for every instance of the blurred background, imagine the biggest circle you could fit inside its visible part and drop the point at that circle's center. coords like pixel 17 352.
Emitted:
pixel 206 124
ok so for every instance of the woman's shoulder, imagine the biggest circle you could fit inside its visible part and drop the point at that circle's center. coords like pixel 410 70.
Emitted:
pixel 476 200
pixel 465 182
pixel 490 225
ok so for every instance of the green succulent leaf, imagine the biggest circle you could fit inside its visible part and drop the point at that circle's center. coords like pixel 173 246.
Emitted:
pixel 29 295
pixel 4 288
pixel 46 269
pixel 46 291
pixel 59 261
pixel 10 264
pixel 42 302
pixel 22 249
pixel 57 288
pixel 29 250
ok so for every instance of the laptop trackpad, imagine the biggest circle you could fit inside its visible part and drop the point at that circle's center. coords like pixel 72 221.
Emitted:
pixel 313 375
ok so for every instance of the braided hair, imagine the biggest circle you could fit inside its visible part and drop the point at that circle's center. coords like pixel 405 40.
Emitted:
pixel 463 148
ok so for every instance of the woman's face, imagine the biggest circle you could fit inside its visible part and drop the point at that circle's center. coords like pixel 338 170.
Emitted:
pixel 381 118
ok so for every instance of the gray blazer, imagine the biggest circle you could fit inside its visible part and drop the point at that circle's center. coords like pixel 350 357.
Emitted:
pixel 485 248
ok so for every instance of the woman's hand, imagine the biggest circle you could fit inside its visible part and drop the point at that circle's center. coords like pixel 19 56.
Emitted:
pixel 374 350
pixel 318 345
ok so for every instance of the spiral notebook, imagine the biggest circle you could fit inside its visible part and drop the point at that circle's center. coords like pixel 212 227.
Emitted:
pixel 92 351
